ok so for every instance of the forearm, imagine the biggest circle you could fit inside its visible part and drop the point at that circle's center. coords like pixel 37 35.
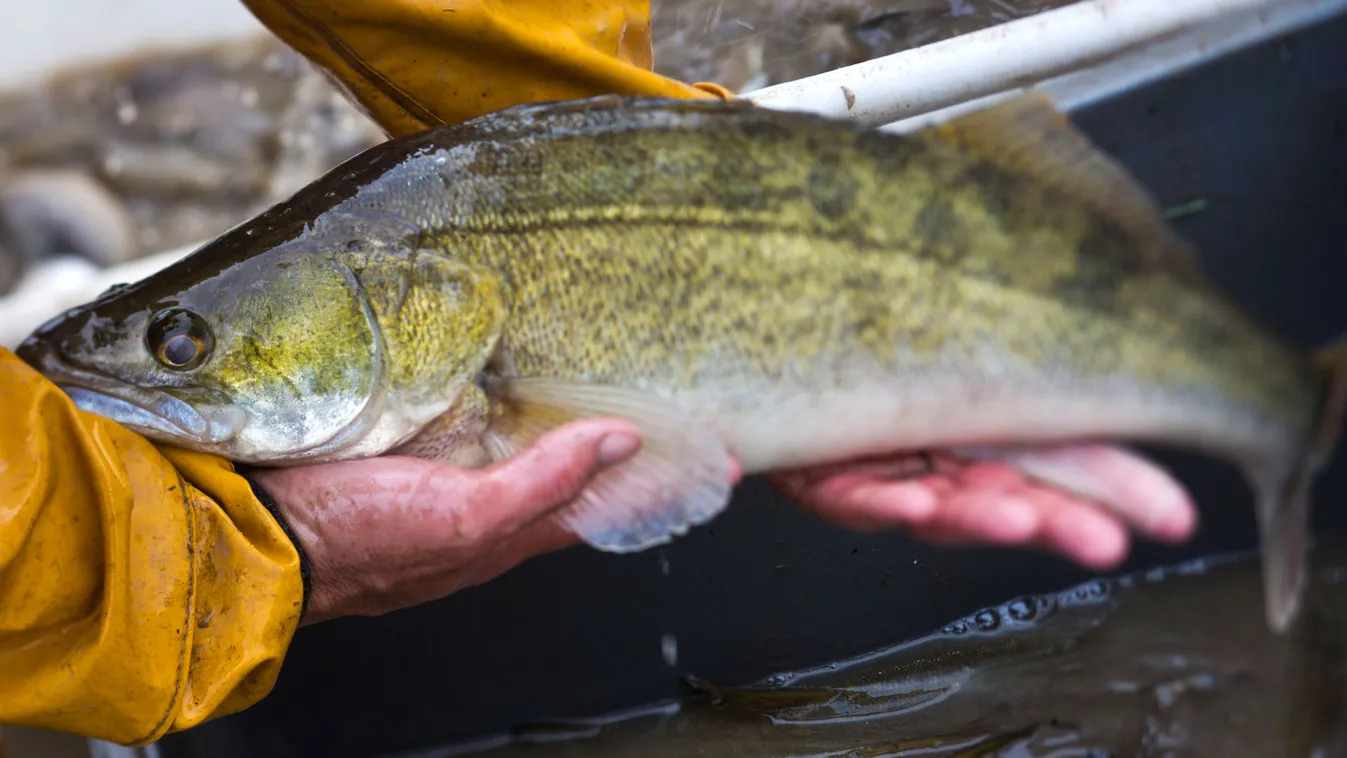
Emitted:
pixel 140 592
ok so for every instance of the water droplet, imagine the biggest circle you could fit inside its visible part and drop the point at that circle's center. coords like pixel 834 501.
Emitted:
pixel 668 646
pixel 987 620
pixel 1021 610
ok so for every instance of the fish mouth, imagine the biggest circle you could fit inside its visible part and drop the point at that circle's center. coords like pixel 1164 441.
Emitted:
pixel 151 412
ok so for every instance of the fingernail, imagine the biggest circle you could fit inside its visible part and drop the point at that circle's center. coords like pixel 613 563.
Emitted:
pixel 1015 519
pixel 1099 542
pixel 617 447
pixel 1176 525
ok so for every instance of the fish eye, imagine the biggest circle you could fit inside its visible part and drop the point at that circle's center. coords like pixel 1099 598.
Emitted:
pixel 179 339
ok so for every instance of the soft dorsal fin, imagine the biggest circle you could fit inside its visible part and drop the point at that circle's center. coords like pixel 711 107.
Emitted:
pixel 1029 135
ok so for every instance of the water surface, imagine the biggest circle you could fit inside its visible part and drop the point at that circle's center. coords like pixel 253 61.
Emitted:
pixel 1173 662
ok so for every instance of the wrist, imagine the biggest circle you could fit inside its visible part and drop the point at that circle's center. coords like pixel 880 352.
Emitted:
pixel 305 567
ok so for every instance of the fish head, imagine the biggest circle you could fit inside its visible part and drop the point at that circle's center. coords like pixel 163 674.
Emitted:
pixel 271 357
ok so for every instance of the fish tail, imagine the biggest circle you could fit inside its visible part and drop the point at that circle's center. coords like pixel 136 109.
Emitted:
pixel 1284 504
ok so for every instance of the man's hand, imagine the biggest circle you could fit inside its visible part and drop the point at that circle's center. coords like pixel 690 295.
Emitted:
pixel 946 500
pixel 390 532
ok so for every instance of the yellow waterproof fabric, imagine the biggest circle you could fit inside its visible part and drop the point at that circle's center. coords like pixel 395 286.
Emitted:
pixel 141 591
pixel 416 64
pixel 144 590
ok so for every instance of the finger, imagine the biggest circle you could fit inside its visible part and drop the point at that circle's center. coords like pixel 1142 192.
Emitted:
pixel 545 476
pixel 995 518
pixel 1081 531
pixel 892 491
pixel 1141 493
pixel 1066 526
pixel 859 502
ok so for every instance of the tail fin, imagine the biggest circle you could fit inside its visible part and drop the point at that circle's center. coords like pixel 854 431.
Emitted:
pixel 1284 508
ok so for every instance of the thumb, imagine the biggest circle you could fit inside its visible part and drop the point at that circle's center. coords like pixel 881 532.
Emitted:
pixel 552 472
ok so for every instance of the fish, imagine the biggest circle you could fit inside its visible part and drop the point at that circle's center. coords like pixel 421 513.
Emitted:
pixel 747 286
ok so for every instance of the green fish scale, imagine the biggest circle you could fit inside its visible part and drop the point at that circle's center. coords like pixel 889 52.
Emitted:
pixel 782 251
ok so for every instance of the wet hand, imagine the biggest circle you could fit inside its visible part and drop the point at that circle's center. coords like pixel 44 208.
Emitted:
pixel 390 532
pixel 945 500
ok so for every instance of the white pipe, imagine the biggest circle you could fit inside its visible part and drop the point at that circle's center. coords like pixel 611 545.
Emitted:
pixel 1166 58
pixel 996 59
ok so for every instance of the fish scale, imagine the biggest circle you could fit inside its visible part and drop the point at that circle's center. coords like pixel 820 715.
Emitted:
pixel 745 285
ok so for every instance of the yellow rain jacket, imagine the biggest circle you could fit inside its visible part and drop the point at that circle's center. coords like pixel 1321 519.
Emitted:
pixel 145 589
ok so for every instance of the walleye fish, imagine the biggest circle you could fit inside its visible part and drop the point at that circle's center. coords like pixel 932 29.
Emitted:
pixel 777 287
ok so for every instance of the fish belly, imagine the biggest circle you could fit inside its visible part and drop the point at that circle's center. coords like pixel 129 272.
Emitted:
pixel 788 429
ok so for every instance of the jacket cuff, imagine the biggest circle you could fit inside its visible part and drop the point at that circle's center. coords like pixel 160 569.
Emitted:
pixel 305 568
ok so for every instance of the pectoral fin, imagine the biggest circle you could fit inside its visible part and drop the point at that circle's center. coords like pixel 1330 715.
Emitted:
pixel 456 436
pixel 681 478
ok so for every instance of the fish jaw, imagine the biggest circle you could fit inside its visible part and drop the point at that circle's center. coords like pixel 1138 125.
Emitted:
pixel 197 418
pixel 151 412
pixel 386 423
pixel 161 417
pixel 220 429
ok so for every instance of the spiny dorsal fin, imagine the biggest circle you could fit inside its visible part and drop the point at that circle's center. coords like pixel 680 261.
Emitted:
pixel 1029 135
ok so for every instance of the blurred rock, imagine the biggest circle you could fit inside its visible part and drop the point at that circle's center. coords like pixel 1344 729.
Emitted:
pixel 63 212
pixel 117 161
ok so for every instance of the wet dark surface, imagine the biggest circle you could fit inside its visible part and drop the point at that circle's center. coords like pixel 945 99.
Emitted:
pixel 1160 663
pixel 1261 136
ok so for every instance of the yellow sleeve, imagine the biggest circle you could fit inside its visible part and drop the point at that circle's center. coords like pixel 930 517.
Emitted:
pixel 141 591
pixel 416 64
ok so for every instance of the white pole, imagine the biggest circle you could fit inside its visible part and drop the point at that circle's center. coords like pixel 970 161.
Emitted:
pixel 996 59
pixel 1168 57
